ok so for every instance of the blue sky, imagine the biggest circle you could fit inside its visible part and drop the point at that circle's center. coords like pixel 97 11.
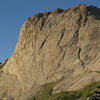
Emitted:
pixel 13 14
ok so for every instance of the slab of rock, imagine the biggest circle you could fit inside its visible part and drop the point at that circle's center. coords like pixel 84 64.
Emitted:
pixel 63 46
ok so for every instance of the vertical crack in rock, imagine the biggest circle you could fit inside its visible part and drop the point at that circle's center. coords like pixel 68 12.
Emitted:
pixel 62 35
pixel 79 56
pixel 43 43
pixel 63 55
pixel 59 52
pixel 79 22
pixel 74 40
pixel 42 65
pixel 36 36
pixel 42 23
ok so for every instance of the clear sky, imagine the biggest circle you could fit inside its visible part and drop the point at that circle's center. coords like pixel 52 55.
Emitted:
pixel 13 14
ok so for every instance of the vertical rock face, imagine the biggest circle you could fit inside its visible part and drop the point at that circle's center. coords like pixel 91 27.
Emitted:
pixel 60 46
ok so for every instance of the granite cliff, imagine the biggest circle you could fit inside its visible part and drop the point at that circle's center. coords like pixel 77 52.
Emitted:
pixel 61 47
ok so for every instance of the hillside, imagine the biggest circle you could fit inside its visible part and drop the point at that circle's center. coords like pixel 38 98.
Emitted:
pixel 60 48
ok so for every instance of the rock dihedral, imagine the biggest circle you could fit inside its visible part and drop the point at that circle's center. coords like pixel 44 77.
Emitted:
pixel 62 46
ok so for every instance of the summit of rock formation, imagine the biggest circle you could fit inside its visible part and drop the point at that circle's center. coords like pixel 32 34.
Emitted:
pixel 62 46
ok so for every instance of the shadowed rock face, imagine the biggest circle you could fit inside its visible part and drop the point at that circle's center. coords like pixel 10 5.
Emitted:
pixel 61 46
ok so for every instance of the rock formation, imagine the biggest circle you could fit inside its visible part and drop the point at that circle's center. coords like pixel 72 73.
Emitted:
pixel 62 46
pixel 2 64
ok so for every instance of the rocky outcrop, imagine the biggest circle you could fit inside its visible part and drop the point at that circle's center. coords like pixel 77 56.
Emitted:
pixel 59 46
pixel 2 64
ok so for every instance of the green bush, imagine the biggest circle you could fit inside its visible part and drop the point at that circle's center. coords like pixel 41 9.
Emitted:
pixel 83 94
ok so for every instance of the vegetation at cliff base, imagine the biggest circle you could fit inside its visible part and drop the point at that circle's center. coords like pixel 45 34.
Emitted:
pixel 90 92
